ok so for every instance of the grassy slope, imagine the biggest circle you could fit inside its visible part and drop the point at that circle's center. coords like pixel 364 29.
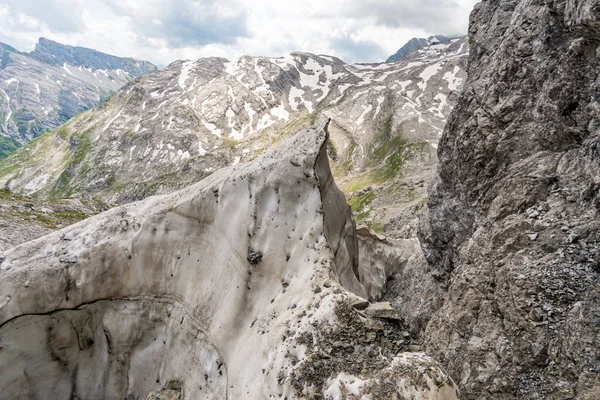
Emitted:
pixel 50 147
pixel 378 181
pixel 7 146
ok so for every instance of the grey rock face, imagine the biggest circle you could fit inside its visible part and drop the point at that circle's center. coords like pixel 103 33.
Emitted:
pixel 512 234
pixel 43 89
pixel 169 129
pixel 382 311
pixel 158 300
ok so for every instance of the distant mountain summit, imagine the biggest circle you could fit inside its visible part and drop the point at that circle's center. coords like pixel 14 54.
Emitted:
pixel 44 88
pixel 416 44
pixel 56 53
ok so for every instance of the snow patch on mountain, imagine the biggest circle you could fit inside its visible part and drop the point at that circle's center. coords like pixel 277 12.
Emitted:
pixel 186 67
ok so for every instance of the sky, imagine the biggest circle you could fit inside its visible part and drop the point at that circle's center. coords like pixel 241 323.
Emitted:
pixel 162 31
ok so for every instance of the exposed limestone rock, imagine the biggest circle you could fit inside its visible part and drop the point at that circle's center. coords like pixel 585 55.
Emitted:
pixel 512 233
pixel 161 296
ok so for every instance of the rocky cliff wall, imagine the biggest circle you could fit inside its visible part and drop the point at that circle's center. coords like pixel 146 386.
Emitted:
pixel 512 231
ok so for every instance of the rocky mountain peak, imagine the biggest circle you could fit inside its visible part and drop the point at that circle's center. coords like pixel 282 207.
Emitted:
pixel 196 116
pixel 416 44
pixel 7 48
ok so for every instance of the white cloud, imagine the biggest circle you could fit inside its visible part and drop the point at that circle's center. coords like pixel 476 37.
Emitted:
pixel 162 31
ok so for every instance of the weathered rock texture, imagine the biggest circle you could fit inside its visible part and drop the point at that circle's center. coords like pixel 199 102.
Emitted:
pixel 237 287
pixel 43 89
pixel 512 234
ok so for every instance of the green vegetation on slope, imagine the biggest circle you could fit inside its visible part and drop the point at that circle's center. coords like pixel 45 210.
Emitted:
pixel 57 154
pixel 52 221
pixel 360 205
pixel 15 206
pixel 370 190
pixel 7 146
pixel 80 144
pixel 388 152
pixel 28 155
pixel 229 143
pixel 386 157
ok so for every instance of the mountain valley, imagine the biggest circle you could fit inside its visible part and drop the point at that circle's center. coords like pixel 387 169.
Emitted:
pixel 43 89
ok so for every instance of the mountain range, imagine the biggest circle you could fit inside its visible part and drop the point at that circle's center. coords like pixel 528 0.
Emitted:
pixel 44 88
pixel 168 129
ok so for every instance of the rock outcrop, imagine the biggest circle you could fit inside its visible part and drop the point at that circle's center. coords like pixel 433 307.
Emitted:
pixel 43 89
pixel 59 54
pixel 240 286
pixel 512 232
